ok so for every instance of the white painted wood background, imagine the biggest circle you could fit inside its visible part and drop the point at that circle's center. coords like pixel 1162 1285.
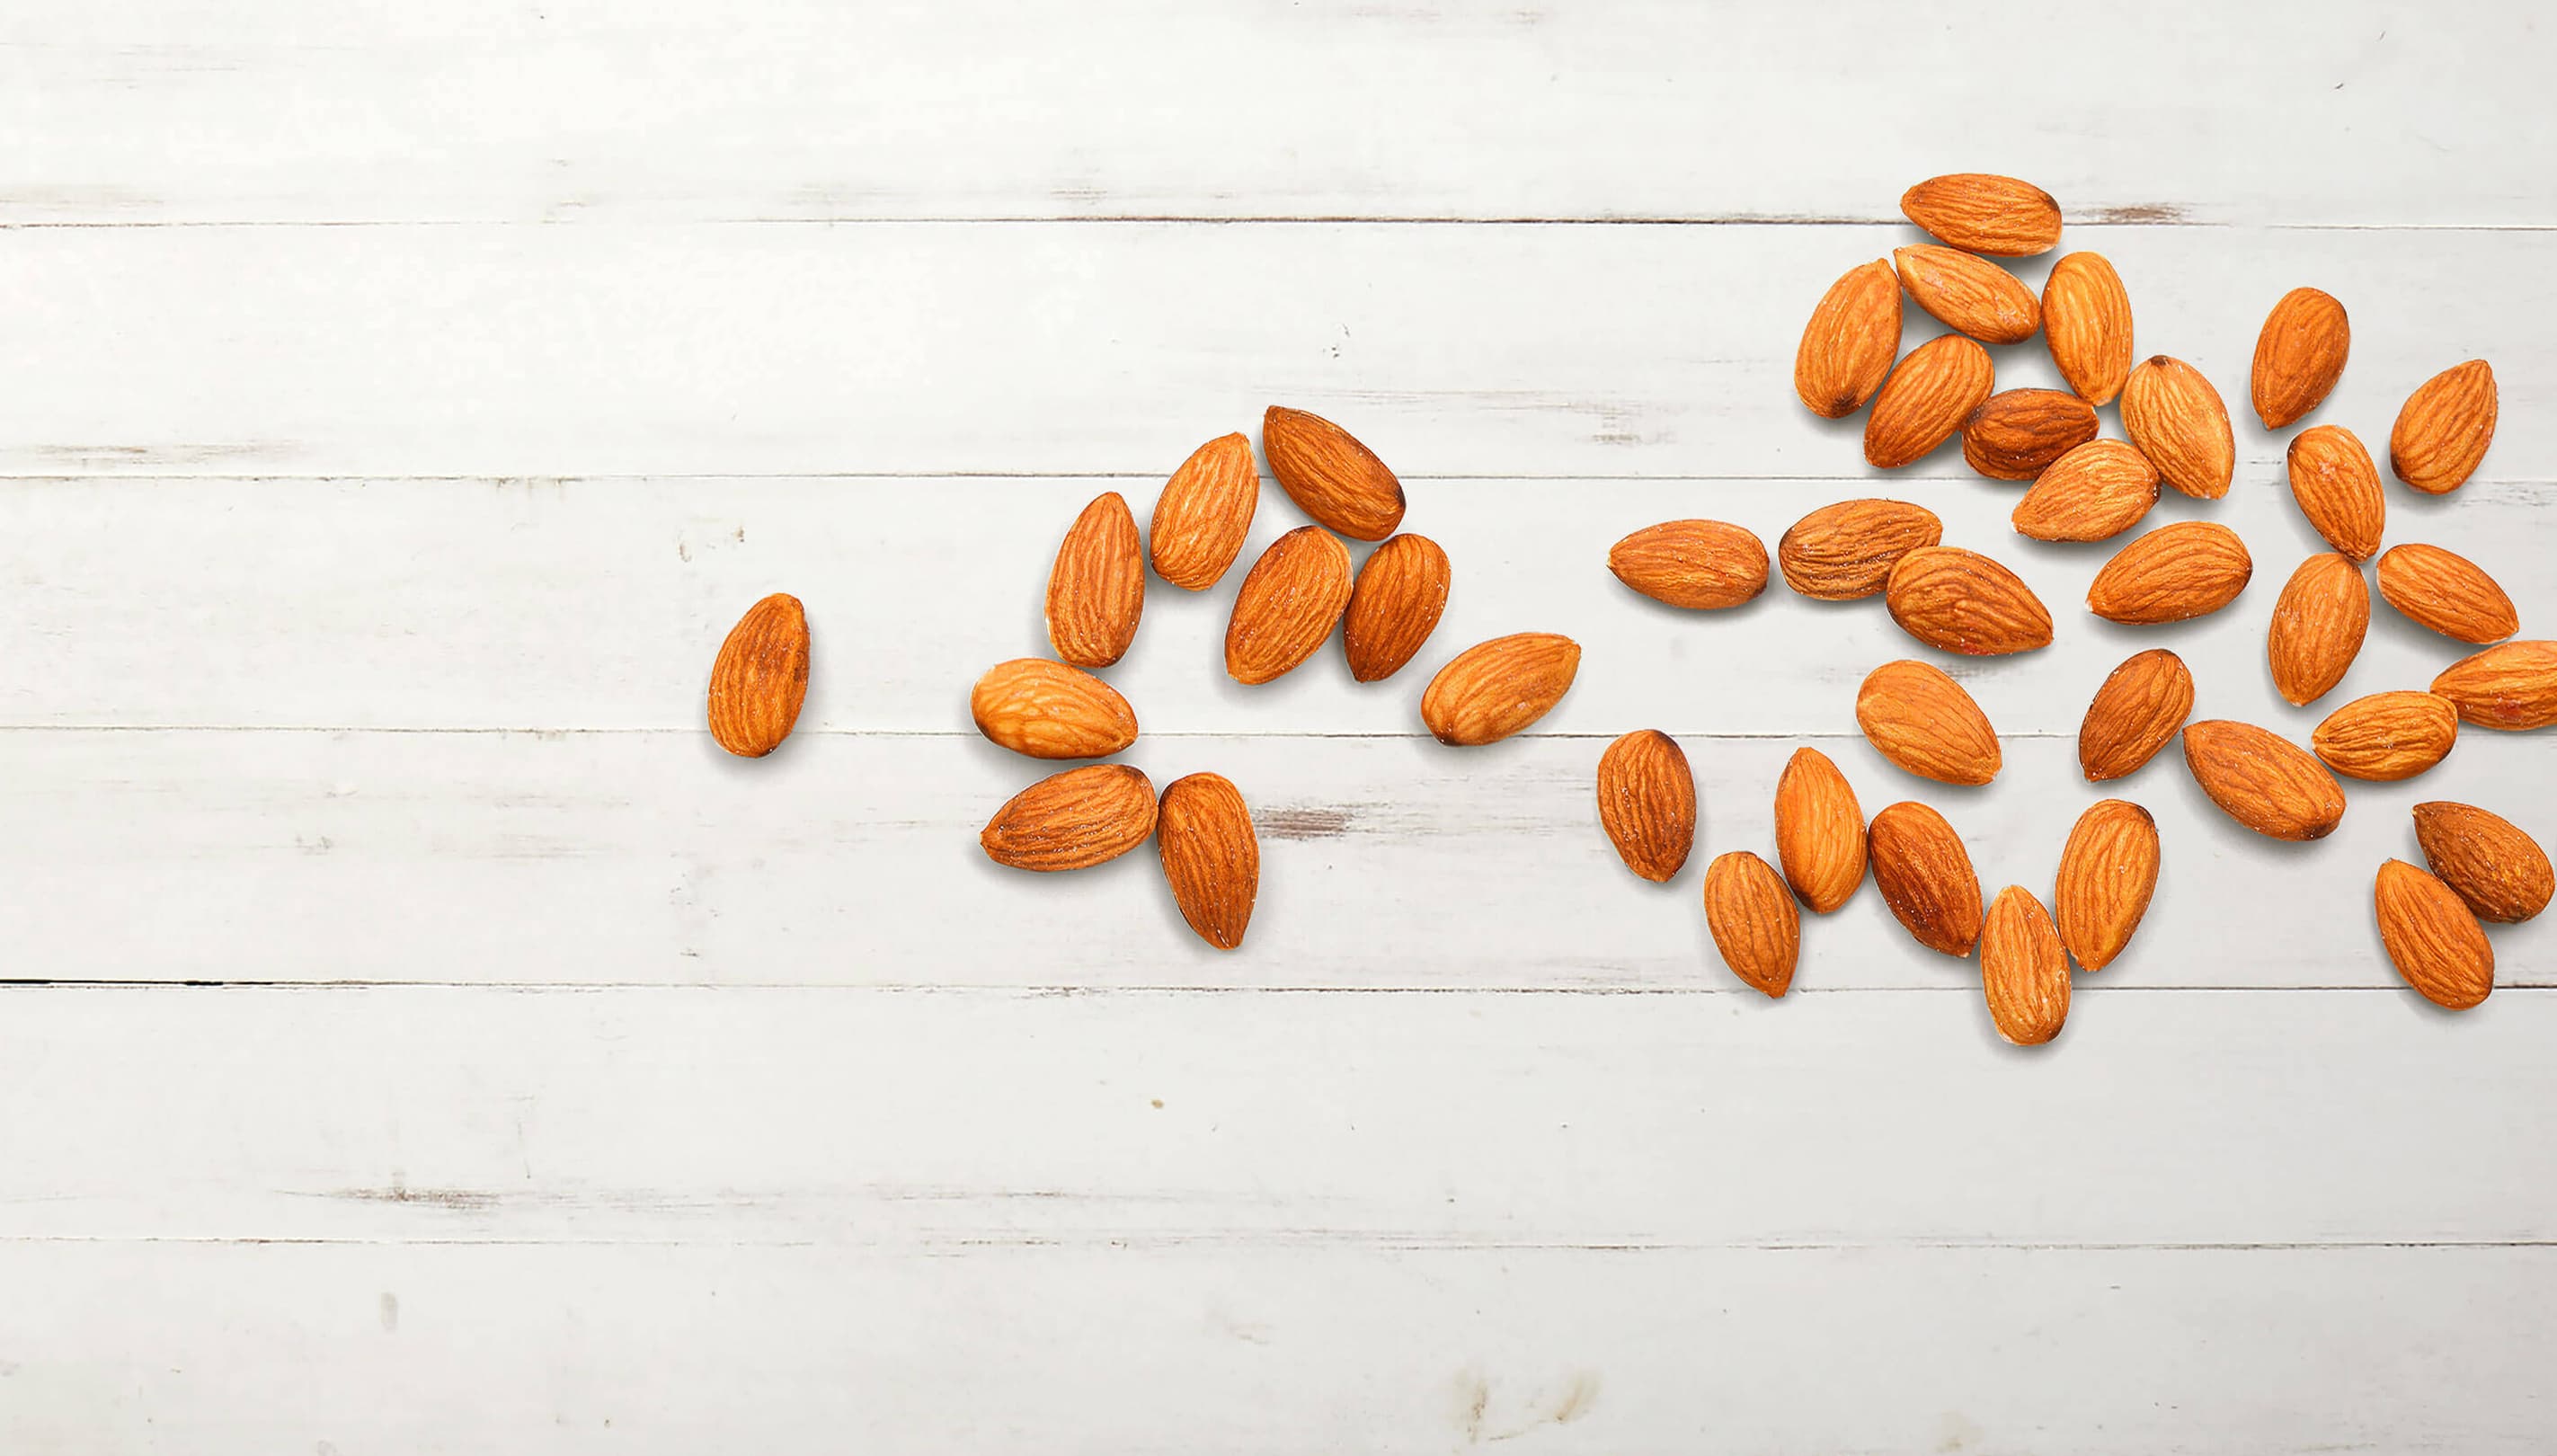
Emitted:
pixel 420 1038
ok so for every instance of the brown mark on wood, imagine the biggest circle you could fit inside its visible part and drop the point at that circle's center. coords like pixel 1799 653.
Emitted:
pixel 1303 822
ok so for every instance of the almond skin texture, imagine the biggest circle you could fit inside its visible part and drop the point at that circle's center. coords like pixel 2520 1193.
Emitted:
pixel 1849 344
pixel 2175 418
pixel 761 677
pixel 1819 831
pixel 2513 686
pixel 2087 318
pixel 1753 920
pixel 2388 737
pixel 2262 780
pixel 1330 476
pixel 1400 594
pixel 2298 356
pixel 1497 688
pixel 2140 707
pixel 2024 974
pixel 1097 590
pixel 1962 601
pixel 2173 574
pixel 2338 490
pixel 2108 873
pixel 2448 593
pixel 1288 605
pixel 2016 435
pixel 1071 820
pixel 1048 710
pixel 1204 513
pixel 2486 861
pixel 1647 803
pixel 2093 494
pixel 1971 294
pixel 1920 718
pixel 1985 213
pixel 1925 878
pixel 2318 627
pixel 1699 564
pixel 2443 429
pixel 1925 400
pixel 2433 938
pixel 1211 856
pixel 1843 552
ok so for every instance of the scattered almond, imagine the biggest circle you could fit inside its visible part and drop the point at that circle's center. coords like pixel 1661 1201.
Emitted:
pixel 2170 575
pixel 2317 625
pixel 1211 856
pixel 1288 605
pixel 761 677
pixel 1925 400
pixel 2108 873
pixel 2443 429
pixel 1819 831
pixel 2262 780
pixel 2500 871
pixel 2448 593
pixel 1926 877
pixel 1973 294
pixel 1985 213
pixel 1700 564
pixel 1097 590
pixel 1204 513
pixel 1400 594
pixel 2087 318
pixel 2433 938
pixel 1647 803
pixel 2338 490
pixel 1849 344
pixel 1962 601
pixel 2511 686
pixel 2387 736
pixel 1753 920
pixel 1494 689
pixel 2174 417
pixel 2299 355
pixel 1843 552
pixel 2017 434
pixel 1915 714
pixel 1048 710
pixel 1330 476
pixel 2140 707
pixel 2023 972
pixel 1072 820
pixel 2094 493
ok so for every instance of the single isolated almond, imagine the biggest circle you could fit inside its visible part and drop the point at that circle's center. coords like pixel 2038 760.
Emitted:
pixel 2299 355
pixel 1097 590
pixel 1843 552
pixel 1048 710
pixel 1925 400
pixel 1204 513
pixel 2262 780
pixel 2448 593
pixel 1819 831
pixel 2338 490
pixel 2087 318
pixel 1288 605
pixel 1753 920
pixel 1211 856
pixel 1962 601
pixel 2015 435
pixel 1494 689
pixel 761 677
pixel 2486 861
pixel 1402 592
pixel 2108 873
pixel 2175 418
pixel 1985 213
pixel 2511 686
pixel 2170 575
pixel 1071 820
pixel 1647 803
pixel 2140 707
pixel 2387 737
pixel 1915 714
pixel 2433 938
pixel 2094 493
pixel 1926 877
pixel 2317 625
pixel 1969 292
pixel 1330 476
pixel 2024 974
pixel 1699 564
pixel 1849 344
pixel 2443 429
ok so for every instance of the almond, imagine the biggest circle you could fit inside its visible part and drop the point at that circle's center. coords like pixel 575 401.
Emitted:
pixel 1819 831
pixel 2443 429
pixel 1071 820
pixel 1973 294
pixel 1048 710
pixel 2108 873
pixel 2338 490
pixel 2087 318
pixel 2387 736
pixel 1849 344
pixel 1700 564
pixel 2262 780
pixel 1962 601
pixel 1288 605
pixel 2173 574
pixel 2317 625
pixel 1843 552
pixel 2433 939
pixel 1753 920
pixel 1400 594
pixel 1926 877
pixel 1204 513
pixel 2486 861
pixel 1211 856
pixel 1919 717
pixel 1330 476
pixel 1985 213
pixel 1647 803
pixel 2141 706
pixel 1097 590
pixel 1925 400
pixel 2017 434
pixel 761 677
pixel 2299 355
pixel 1497 688
pixel 2023 972
pixel 2177 420
pixel 2097 490
pixel 2511 686
pixel 2448 593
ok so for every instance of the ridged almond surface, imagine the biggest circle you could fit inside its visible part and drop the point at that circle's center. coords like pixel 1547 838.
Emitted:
pixel 2024 973
pixel 2015 435
pixel 2388 737
pixel 1926 877
pixel 2140 707
pixel 1819 831
pixel 1497 688
pixel 1647 803
pixel 2170 575
pixel 2262 780
pixel 1071 820
pixel 1097 590
pixel 2443 429
pixel 1843 552
pixel 1699 564
pixel 2433 938
pixel 2338 490
pixel 2511 686
pixel 1915 714
pixel 1969 292
pixel 2448 593
pixel 761 677
pixel 1211 856
pixel 1048 710
pixel 1330 476
pixel 2178 420
pixel 2093 494
pixel 1204 513
pixel 1925 400
pixel 2317 625
pixel 1753 920
pixel 1962 601
pixel 1985 213
pixel 2299 354
pixel 2486 861
pixel 1849 344
pixel 1288 605
pixel 2108 871
pixel 2086 320
pixel 1402 592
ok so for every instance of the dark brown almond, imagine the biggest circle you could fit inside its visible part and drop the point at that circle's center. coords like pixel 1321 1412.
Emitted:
pixel 2338 490
pixel 1699 564
pixel 2093 494
pixel 1288 606
pixel 2263 780
pixel 1843 552
pixel 1962 601
pixel 2499 870
pixel 1925 878
pixel 2173 574
pixel 1986 213
pixel 2448 593
pixel 1851 341
pixel 2140 707
pixel 1925 400
pixel 1400 594
pixel 1970 293
pixel 1647 803
pixel 2318 627
pixel 2299 355
pixel 2017 434
pixel 1331 475
pixel 1097 590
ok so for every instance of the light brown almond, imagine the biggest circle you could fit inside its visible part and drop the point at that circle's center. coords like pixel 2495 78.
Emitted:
pixel 1497 688
pixel 1925 400
pixel 2338 490
pixel 2087 318
pixel 1071 820
pixel 1926 877
pixel 1819 831
pixel 2170 575
pixel 1699 564
pixel 2175 418
pixel 2024 975
pixel 2511 686
pixel 1400 594
pixel 1288 605
pixel 1211 856
pixel 1851 341
pixel 2388 737
pixel 1097 590
pixel 2433 938
pixel 1970 293
pixel 2299 355
pixel 2443 429
pixel 2487 862
pixel 1915 714
pixel 1985 213
pixel 2140 707
pixel 2108 873
pixel 2448 593
pixel 761 677
pixel 1843 552
pixel 1647 803
pixel 1753 920
pixel 2262 780
pixel 1330 476
pixel 1205 512
pixel 2317 625
pixel 1048 710
pixel 1962 601
pixel 2094 493
pixel 2015 435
